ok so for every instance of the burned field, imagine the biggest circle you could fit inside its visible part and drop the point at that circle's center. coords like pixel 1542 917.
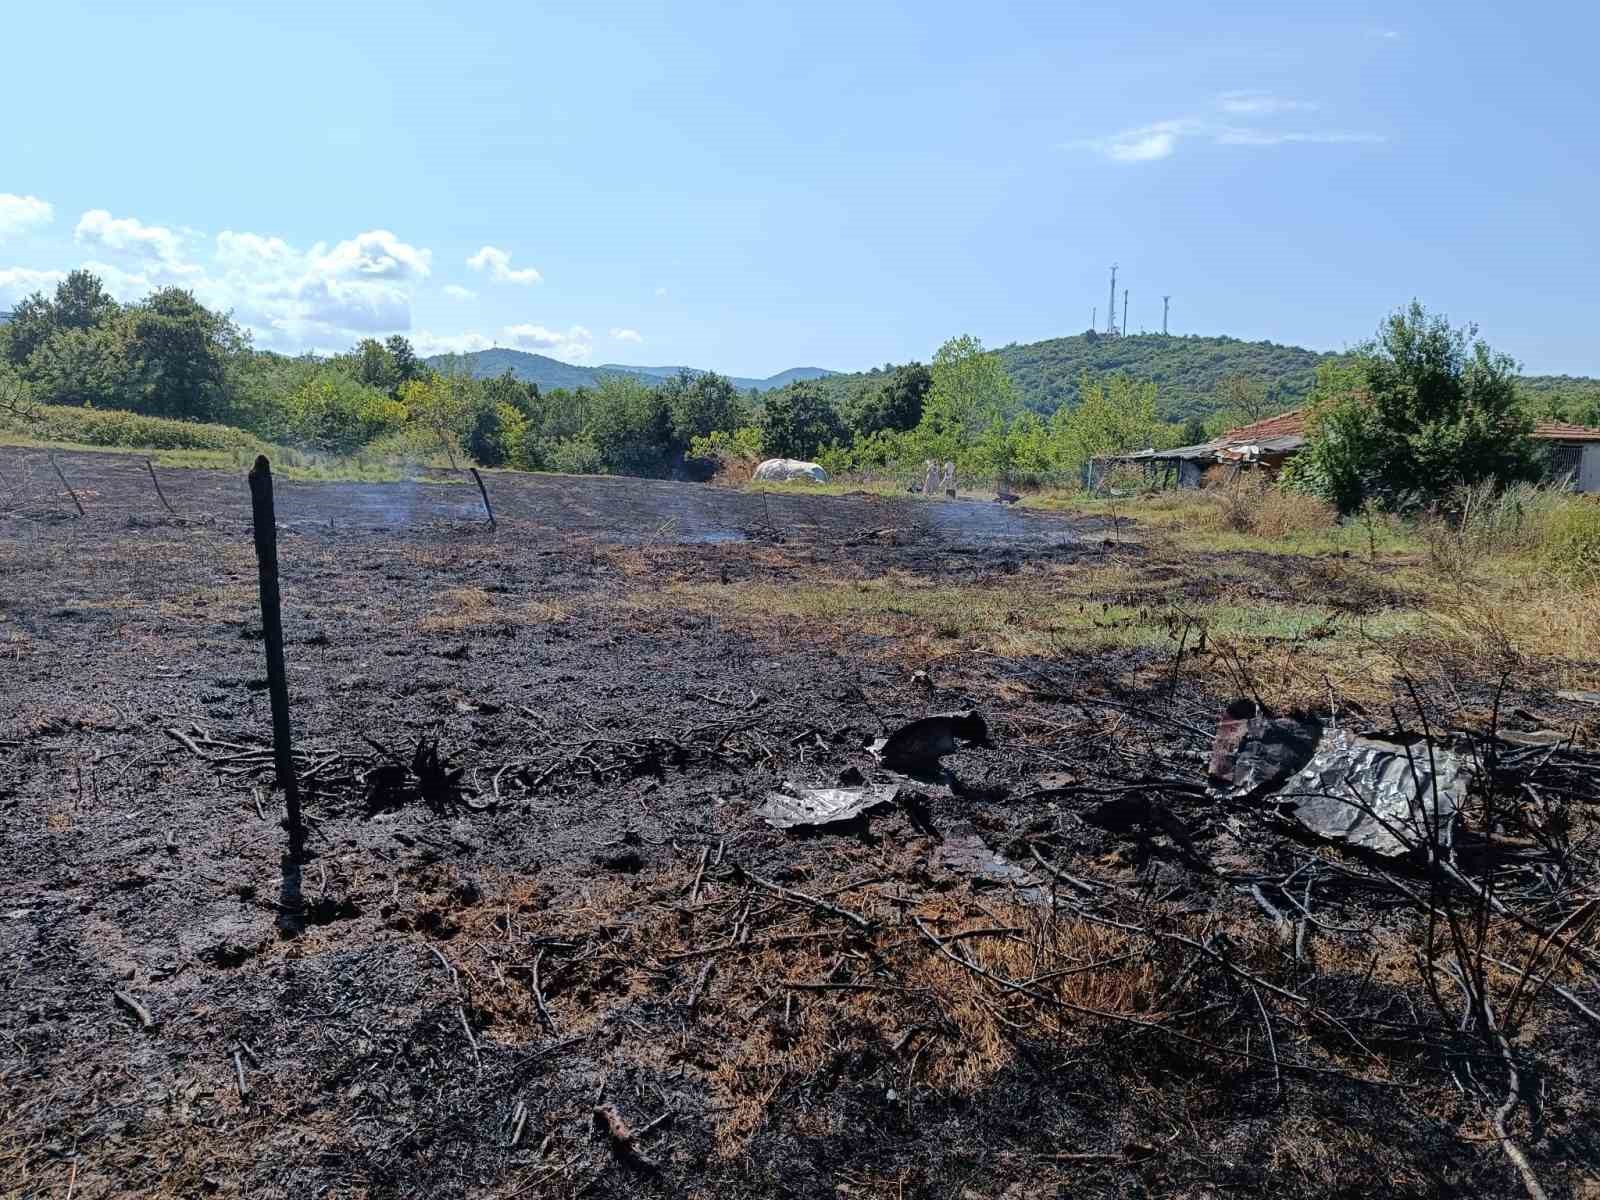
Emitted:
pixel 574 919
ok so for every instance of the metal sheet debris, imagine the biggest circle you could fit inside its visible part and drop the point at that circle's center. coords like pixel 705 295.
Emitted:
pixel 1253 753
pixel 920 745
pixel 811 806
pixel 1379 795
pixel 967 854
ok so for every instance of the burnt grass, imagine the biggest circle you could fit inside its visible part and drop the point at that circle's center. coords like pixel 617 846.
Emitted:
pixel 590 917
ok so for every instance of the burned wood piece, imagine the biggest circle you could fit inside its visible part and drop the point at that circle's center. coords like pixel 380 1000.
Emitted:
pixel 811 807
pixel 138 1010
pixel 425 776
pixel 76 503
pixel 624 1142
pixel 919 746
pixel 162 496
pixel 265 531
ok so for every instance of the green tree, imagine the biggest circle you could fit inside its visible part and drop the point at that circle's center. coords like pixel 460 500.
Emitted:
pixel 969 393
pixel 80 303
pixel 86 367
pixel 895 404
pixel 697 405
pixel 1422 409
pixel 178 350
pixel 630 426
pixel 798 421
pixel 1238 400
pixel 407 366
pixel 442 404
pixel 1113 416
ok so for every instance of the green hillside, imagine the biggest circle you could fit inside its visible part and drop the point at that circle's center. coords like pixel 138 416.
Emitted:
pixel 550 373
pixel 1185 370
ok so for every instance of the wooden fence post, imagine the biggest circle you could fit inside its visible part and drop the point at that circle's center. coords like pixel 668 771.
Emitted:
pixel 151 467
pixel 484 492
pixel 266 534
pixel 67 485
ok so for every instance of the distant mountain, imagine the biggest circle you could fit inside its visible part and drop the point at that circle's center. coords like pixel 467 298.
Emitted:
pixel 743 383
pixel 550 373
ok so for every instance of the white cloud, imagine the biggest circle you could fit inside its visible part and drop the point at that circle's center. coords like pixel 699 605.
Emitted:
pixel 17 282
pixel 1387 35
pixel 358 287
pixel 498 263
pixel 626 335
pixel 1260 104
pixel 661 291
pixel 573 345
pixel 292 297
pixel 427 343
pixel 1144 144
pixel 1161 139
pixel 99 229
pixel 376 254
pixel 18 214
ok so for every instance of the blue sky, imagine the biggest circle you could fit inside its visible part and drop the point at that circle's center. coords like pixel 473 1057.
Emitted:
pixel 762 186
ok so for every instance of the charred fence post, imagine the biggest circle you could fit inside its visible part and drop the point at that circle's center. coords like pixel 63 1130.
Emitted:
pixel 266 536
pixel 151 467
pixel 484 492
pixel 59 475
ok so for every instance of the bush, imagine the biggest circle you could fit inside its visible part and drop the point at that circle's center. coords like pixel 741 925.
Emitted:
pixel 574 456
pixel 332 412
pixel 112 427
pixel 1253 503
pixel 1570 538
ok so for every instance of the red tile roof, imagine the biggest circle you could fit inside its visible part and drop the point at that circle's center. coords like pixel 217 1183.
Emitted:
pixel 1560 431
pixel 1289 424
pixel 1293 424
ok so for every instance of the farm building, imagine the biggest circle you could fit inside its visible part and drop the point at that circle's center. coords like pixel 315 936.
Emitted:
pixel 1269 443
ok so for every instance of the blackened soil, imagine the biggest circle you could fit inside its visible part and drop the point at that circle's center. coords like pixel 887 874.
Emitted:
pixel 377 1000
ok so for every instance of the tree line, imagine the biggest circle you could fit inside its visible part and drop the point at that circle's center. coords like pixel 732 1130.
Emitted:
pixel 1419 408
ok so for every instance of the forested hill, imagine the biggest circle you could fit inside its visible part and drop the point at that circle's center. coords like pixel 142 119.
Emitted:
pixel 1185 370
pixel 550 373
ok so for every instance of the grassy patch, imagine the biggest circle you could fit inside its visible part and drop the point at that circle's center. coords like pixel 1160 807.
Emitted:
pixel 287 462
pixel 460 610
pixel 1292 648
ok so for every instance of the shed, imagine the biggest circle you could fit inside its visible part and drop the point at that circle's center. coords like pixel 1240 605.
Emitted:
pixel 1574 452
pixel 1269 443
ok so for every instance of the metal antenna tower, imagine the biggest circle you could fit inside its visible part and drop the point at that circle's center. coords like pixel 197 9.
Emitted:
pixel 1165 300
pixel 1111 318
pixel 1124 312
pixel 1094 316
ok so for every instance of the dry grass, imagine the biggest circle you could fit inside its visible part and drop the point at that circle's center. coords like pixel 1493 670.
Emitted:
pixel 802 991
pixel 459 610
pixel 1254 504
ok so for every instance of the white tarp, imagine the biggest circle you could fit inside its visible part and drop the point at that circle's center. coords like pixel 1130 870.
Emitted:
pixel 780 470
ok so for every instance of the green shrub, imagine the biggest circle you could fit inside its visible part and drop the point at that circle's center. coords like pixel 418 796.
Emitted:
pixel 111 427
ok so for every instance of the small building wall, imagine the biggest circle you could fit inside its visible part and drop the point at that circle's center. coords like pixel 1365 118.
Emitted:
pixel 1587 478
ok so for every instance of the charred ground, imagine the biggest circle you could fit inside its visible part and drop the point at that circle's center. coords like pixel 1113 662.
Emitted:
pixel 592 970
